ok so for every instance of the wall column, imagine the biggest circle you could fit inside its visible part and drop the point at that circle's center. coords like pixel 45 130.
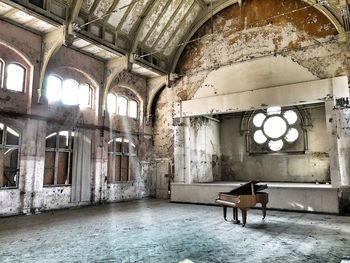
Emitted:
pixel 339 144
pixel 182 150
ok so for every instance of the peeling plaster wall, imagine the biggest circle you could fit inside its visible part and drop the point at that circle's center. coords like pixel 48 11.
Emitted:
pixel 204 150
pixel 238 165
pixel 249 51
pixel 35 121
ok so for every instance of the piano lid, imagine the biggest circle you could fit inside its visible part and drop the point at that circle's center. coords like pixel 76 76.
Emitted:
pixel 246 189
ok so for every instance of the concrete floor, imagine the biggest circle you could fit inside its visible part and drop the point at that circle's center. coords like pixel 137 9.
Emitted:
pixel 159 231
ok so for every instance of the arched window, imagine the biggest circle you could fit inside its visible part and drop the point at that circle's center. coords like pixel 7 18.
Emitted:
pixel 121 160
pixel 276 129
pixel 122 104
pixel 133 109
pixel 85 95
pixel 9 160
pixel 54 88
pixel 68 91
pixel 15 75
pixel 111 103
pixel 58 158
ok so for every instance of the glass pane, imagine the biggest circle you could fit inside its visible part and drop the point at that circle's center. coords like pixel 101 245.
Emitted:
pixel 290 116
pixel 49 171
pixel 292 135
pixel 118 147
pixel 275 127
pixel 9 167
pixel 125 147
pixel 276 145
pixel 259 137
pixel 1 132
pixel 51 140
pixel 54 88
pixel 259 119
pixel 84 95
pixel 15 77
pixel 122 106
pixel 111 103
pixel 133 109
pixel 110 169
pixel 274 110
pixel 63 139
pixel 117 168
pixel 70 92
pixel 12 137
pixel 124 168
pixel 62 171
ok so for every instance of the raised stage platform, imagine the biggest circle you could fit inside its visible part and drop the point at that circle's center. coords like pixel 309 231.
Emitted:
pixel 286 196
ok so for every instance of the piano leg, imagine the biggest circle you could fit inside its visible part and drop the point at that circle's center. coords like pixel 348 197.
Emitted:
pixel 225 212
pixel 235 215
pixel 263 208
pixel 244 216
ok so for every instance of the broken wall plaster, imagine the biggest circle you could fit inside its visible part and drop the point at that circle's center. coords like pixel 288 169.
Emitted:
pixel 306 38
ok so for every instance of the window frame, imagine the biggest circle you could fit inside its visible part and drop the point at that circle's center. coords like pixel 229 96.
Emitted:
pixel 299 146
pixel 47 84
pixel 4 145
pixel 137 109
pixel 6 65
pixel 126 106
pixel 57 150
pixel 128 100
pixel 79 84
pixel 123 153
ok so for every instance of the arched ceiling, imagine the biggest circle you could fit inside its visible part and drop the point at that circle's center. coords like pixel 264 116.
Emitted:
pixel 147 32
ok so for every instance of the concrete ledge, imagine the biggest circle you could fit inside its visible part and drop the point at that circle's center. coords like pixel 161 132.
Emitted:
pixel 287 196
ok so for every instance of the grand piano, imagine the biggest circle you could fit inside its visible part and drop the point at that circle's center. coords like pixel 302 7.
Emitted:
pixel 244 197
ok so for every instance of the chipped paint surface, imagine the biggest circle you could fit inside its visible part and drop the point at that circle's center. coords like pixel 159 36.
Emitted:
pixel 243 37
pixel 134 15
pixel 103 7
pixel 186 24
pixel 178 18
pixel 155 15
pixel 117 16
pixel 87 4
pixel 162 22
pixel 35 121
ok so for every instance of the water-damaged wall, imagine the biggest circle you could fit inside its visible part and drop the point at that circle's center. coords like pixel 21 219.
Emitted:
pixel 238 164
pixel 204 150
pixel 35 122
pixel 259 45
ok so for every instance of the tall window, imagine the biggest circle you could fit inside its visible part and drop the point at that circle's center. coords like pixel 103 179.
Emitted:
pixel 122 106
pixel 68 91
pixel 15 77
pixel 122 103
pixel 276 129
pixel 9 160
pixel 12 76
pixel 121 160
pixel 58 158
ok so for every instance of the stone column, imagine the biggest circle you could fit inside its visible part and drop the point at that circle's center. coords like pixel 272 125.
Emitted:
pixel 99 164
pixel 182 149
pixel 32 165
pixel 339 144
